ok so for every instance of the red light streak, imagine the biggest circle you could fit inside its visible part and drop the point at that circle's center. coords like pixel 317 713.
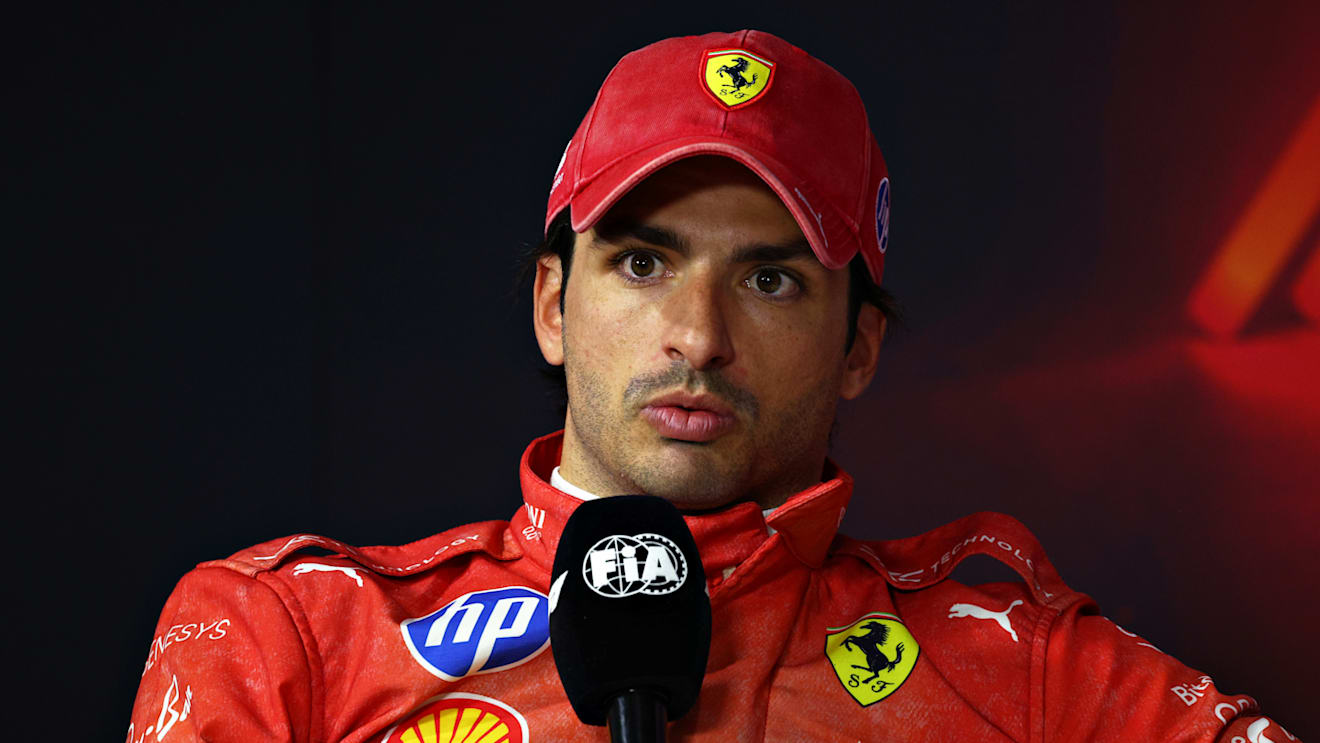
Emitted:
pixel 1264 237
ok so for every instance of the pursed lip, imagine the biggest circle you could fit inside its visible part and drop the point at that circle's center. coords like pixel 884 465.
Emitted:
pixel 690 401
pixel 683 416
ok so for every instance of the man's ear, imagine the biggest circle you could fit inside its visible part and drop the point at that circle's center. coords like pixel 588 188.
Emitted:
pixel 547 320
pixel 860 365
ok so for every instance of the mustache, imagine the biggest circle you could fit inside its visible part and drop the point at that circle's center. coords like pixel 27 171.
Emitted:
pixel 679 375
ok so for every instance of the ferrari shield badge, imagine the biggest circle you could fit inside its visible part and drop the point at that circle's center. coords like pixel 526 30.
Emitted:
pixel 736 77
pixel 872 657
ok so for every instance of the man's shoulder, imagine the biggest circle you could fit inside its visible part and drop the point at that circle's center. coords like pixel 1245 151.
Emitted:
pixel 915 574
pixel 926 560
pixel 1033 639
pixel 325 587
pixel 299 554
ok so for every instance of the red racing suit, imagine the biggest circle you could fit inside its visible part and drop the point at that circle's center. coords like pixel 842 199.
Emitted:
pixel 816 637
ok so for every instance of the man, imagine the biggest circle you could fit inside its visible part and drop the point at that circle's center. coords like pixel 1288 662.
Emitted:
pixel 716 234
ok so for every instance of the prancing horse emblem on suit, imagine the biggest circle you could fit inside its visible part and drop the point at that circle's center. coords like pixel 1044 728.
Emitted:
pixel 872 657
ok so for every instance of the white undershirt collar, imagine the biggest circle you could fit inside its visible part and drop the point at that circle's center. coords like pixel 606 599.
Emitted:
pixel 557 481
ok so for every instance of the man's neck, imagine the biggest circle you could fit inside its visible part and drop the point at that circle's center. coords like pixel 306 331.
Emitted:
pixel 557 480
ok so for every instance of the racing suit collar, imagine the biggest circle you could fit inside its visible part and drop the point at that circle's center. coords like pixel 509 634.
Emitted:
pixel 805 524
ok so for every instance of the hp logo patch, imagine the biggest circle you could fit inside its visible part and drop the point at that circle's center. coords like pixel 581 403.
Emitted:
pixel 882 215
pixel 621 565
pixel 480 632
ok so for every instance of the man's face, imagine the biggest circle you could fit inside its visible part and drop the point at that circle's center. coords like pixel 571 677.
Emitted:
pixel 703 343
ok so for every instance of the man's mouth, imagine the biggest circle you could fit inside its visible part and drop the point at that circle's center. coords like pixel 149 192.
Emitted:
pixel 686 417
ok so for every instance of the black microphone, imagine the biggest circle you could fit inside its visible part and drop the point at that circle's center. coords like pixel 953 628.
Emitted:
pixel 629 615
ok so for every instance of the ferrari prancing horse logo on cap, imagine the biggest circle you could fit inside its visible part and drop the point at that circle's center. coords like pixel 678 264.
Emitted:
pixel 736 77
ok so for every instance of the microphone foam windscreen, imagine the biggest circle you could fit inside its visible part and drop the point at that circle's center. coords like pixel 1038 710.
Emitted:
pixel 628 606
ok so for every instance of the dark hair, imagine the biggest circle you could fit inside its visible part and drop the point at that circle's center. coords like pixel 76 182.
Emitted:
pixel 559 239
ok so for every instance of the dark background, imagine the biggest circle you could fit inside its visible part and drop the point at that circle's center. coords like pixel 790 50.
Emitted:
pixel 262 284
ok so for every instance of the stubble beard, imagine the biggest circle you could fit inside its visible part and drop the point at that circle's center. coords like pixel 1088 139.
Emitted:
pixel 778 454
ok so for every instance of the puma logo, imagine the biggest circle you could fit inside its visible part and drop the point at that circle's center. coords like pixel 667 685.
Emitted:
pixel 303 568
pixel 977 612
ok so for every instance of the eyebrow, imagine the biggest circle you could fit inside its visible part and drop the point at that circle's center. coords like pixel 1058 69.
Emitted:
pixel 771 253
pixel 610 233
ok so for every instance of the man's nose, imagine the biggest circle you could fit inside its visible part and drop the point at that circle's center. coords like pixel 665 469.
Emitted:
pixel 696 325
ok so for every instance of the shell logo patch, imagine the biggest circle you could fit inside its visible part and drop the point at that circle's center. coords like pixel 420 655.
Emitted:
pixel 461 718
pixel 872 657
pixel 736 77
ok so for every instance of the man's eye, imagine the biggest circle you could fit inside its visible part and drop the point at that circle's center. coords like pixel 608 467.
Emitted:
pixel 641 265
pixel 773 282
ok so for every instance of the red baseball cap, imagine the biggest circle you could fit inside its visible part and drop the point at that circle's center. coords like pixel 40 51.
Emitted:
pixel 748 95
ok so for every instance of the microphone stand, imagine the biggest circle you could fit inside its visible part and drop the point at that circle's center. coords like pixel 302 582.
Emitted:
pixel 637 716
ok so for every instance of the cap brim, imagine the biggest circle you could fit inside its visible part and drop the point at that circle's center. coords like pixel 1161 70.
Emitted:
pixel 617 179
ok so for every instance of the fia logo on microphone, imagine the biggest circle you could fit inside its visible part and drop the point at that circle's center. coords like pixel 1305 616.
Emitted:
pixel 480 632
pixel 621 565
